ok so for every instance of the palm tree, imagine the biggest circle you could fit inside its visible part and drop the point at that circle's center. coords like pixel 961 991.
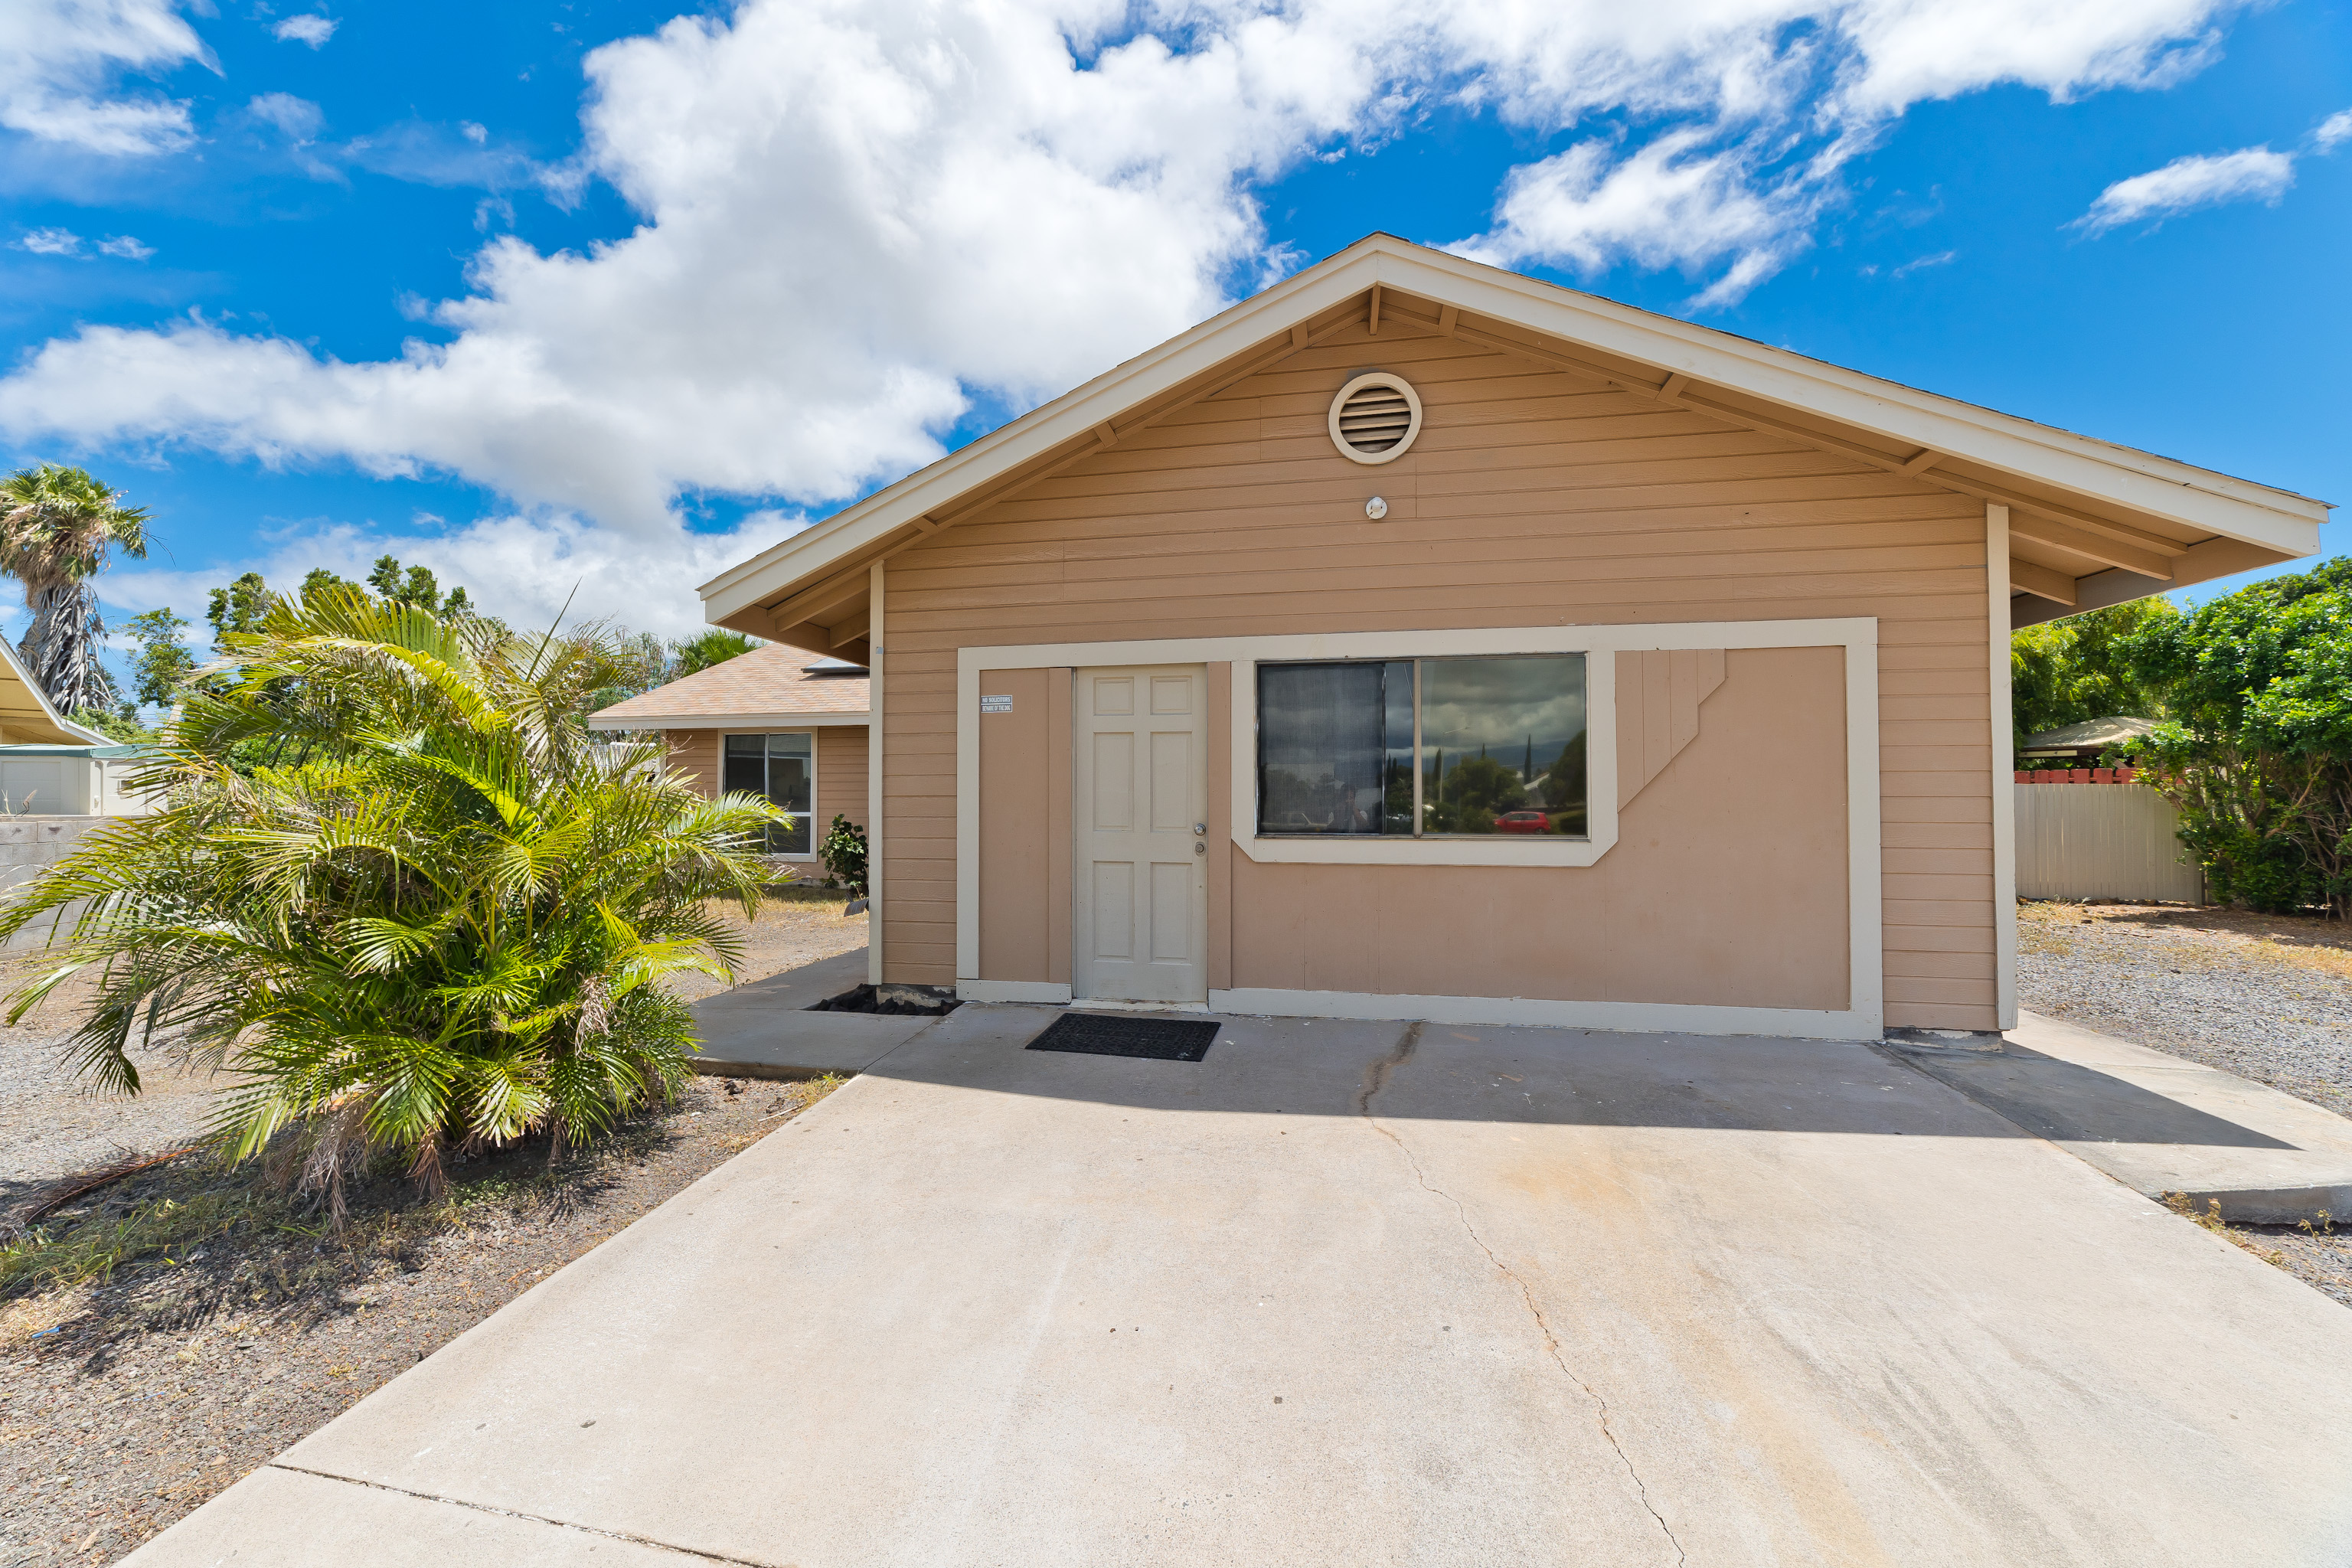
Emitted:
pixel 441 919
pixel 56 526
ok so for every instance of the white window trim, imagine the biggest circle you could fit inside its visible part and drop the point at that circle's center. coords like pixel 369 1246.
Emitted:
pixel 786 730
pixel 1863 1017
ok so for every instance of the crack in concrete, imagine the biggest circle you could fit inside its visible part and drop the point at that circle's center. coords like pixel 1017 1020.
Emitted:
pixel 1376 1078
pixel 533 1517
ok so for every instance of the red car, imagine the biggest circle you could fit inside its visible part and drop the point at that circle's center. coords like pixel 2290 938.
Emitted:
pixel 1523 822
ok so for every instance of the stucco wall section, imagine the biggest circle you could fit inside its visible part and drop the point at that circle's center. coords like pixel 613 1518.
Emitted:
pixel 1727 886
pixel 1531 498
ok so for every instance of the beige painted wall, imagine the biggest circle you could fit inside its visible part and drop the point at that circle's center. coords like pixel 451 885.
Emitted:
pixel 1531 498
pixel 1727 886
pixel 1024 827
pixel 841 762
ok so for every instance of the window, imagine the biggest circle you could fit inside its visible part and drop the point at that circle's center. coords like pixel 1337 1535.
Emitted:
pixel 782 769
pixel 1423 748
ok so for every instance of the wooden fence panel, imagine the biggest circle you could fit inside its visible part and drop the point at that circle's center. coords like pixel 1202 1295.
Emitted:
pixel 2101 841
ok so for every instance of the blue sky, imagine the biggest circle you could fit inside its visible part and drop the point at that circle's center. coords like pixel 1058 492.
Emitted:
pixel 559 295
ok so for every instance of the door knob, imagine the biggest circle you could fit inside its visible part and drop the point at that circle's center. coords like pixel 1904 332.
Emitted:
pixel 1200 830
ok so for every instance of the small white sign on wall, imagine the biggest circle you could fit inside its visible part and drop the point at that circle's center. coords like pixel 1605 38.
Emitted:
pixel 996 704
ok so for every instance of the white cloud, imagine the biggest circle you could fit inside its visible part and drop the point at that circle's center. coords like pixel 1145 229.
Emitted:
pixel 2249 174
pixel 2333 130
pixel 1921 263
pixel 60 62
pixel 312 30
pixel 51 242
pixel 859 216
pixel 125 246
pixel 298 117
pixel 523 569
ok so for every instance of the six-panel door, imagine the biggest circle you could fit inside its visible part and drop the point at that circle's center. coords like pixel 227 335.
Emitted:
pixel 1140 807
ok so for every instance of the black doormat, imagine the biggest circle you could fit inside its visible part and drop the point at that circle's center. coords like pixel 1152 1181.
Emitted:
pixel 1124 1034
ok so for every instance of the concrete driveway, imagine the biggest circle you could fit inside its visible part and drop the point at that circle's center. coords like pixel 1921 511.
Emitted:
pixel 1358 1294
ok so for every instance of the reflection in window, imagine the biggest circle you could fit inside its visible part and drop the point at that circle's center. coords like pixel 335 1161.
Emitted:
pixel 781 768
pixel 1420 748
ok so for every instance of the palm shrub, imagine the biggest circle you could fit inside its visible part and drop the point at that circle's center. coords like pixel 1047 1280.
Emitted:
pixel 435 919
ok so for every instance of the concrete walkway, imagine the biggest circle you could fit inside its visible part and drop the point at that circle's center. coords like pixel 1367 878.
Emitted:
pixel 1360 1294
pixel 2159 1123
pixel 763 1029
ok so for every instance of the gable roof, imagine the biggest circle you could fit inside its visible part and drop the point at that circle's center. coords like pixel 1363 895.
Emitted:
pixel 774 684
pixel 2092 522
pixel 27 714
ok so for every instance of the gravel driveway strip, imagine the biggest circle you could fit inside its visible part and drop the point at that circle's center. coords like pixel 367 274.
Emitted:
pixel 2268 997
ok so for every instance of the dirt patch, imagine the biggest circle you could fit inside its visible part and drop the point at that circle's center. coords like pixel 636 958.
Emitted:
pixel 162 1337
pixel 2267 997
pixel 2319 1255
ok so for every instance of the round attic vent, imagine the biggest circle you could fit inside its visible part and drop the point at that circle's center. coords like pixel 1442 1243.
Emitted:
pixel 1375 417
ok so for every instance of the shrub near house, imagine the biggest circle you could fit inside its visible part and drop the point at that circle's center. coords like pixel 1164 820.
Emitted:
pixel 435 922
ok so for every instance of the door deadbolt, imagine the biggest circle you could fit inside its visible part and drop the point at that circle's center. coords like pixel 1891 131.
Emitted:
pixel 1199 849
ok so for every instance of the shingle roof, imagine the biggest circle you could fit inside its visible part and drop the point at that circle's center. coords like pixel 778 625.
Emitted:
pixel 765 682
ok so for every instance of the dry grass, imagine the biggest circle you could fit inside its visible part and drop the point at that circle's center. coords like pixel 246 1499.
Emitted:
pixel 2226 936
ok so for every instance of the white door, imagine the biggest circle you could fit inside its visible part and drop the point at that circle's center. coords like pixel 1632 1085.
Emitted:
pixel 1140 907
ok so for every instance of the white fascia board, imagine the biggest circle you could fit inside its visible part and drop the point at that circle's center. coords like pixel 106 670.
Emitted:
pixel 727 721
pixel 2180 492
pixel 2194 498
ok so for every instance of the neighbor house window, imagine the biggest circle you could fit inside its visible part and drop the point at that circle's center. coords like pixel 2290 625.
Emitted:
pixel 782 769
pixel 1423 748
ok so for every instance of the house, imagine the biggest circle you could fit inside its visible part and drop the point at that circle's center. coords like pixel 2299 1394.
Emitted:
pixel 775 721
pixel 52 767
pixel 1418 640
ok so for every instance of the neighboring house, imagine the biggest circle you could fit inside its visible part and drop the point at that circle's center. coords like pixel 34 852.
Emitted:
pixel 1418 640
pixel 50 766
pixel 773 722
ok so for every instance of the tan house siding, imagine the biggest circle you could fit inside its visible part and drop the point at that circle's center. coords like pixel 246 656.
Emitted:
pixel 840 775
pixel 695 753
pixel 1531 498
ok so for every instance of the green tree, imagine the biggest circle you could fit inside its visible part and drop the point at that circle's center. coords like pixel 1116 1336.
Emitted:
pixel 415 585
pixel 243 605
pixel 163 666
pixel 714 647
pixel 2256 749
pixel 58 527
pixel 2080 668
pixel 445 926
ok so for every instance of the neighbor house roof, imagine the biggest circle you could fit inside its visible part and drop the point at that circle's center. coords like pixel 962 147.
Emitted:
pixel 2091 523
pixel 2090 734
pixel 27 715
pixel 776 684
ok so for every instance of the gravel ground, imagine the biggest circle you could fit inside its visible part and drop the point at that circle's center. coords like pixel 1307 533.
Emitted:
pixel 234 1322
pixel 2268 997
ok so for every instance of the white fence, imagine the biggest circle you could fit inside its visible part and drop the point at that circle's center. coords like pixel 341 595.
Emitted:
pixel 27 844
pixel 2101 841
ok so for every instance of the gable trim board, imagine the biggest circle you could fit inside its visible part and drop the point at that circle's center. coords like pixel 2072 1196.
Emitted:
pixel 2060 478
pixel 1863 1017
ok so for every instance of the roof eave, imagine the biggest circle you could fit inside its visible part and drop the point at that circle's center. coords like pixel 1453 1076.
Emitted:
pixel 2197 500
